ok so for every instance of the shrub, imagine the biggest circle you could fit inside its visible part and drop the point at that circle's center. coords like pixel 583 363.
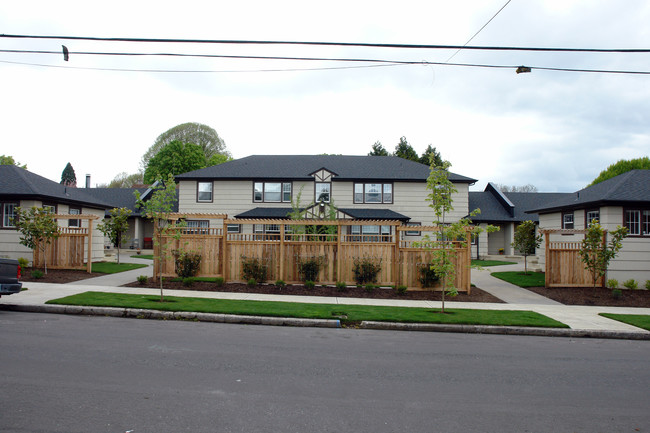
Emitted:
pixel 401 289
pixel 142 279
pixel 366 270
pixel 187 263
pixel 252 282
pixel 37 274
pixel 631 284
pixel 253 268
pixel 188 281
pixel 309 268
pixel 647 285
pixel 23 262
pixel 341 285
pixel 370 287
pixel 612 284
pixel 219 281
pixel 428 277
pixel 309 284
pixel 616 293
pixel 281 284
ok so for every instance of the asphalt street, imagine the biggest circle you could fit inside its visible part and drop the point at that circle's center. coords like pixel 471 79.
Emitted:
pixel 94 374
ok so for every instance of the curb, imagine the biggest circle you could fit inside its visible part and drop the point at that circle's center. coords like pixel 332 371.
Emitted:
pixel 323 323
pixel 170 315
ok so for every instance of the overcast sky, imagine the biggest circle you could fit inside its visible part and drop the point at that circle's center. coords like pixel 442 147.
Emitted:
pixel 555 130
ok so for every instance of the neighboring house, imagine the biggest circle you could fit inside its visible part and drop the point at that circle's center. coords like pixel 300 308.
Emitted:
pixel 21 188
pixel 621 201
pixel 505 211
pixel 357 187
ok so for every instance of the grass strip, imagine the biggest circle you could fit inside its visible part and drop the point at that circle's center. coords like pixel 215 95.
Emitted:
pixel 518 278
pixel 346 313
pixel 113 268
pixel 638 320
pixel 486 263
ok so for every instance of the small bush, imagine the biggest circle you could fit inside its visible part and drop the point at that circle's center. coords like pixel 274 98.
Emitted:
pixel 188 281
pixel 647 285
pixel 187 263
pixel 37 274
pixel 428 277
pixel 142 279
pixel 616 293
pixel 253 268
pixel 401 289
pixel 252 282
pixel 309 268
pixel 370 287
pixel 23 262
pixel 281 284
pixel 309 284
pixel 219 281
pixel 341 285
pixel 366 270
pixel 631 284
pixel 612 284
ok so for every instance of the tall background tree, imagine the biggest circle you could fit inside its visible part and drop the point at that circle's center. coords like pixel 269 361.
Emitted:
pixel 174 158
pixel 431 156
pixel 622 166
pixel 125 180
pixel 405 150
pixel 378 150
pixel 9 160
pixel 195 133
pixel 516 188
pixel 68 178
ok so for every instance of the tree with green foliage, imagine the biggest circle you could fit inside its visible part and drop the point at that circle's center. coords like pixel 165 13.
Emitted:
pixel 195 133
pixel 37 228
pixel 9 160
pixel 440 244
pixel 174 158
pixel 115 227
pixel 68 177
pixel 431 156
pixel 596 253
pixel 622 166
pixel 526 241
pixel 404 150
pixel 159 209
pixel 217 158
pixel 126 180
pixel 378 150
pixel 516 188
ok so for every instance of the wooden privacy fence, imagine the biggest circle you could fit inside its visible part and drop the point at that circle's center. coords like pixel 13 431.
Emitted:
pixel 72 249
pixel 564 268
pixel 292 241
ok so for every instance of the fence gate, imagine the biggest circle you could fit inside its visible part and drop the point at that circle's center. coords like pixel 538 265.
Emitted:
pixel 564 268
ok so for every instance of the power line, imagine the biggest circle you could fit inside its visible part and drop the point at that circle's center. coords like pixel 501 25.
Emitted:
pixel 338 44
pixel 479 30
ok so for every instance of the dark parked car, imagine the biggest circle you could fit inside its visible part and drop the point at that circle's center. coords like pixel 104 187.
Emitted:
pixel 9 277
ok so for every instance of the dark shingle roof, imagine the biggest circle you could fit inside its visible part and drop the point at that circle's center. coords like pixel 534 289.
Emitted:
pixel 629 188
pixel 117 197
pixel 299 167
pixel 18 183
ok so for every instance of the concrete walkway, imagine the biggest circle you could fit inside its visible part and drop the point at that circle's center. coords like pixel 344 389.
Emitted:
pixel 583 318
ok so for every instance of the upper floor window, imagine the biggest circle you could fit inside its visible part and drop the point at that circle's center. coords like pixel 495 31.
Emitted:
pixel 272 192
pixel 204 192
pixel 567 220
pixel 323 190
pixel 373 192
pixel 637 222
pixel 592 215
pixel 8 214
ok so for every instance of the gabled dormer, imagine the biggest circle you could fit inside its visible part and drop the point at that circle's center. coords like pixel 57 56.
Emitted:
pixel 322 185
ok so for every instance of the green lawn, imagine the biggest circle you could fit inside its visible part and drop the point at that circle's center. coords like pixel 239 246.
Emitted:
pixel 113 268
pixel 486 263
pixel 532 279
pixel 345 313
pixel 143 256
pixel 638 320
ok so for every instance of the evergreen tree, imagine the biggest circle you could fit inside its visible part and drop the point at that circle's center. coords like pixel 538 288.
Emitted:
pixel 406 151
pixel 68 178
pixel 378 150
pixel 431 155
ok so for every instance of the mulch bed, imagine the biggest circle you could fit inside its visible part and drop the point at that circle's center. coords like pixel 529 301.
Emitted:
pixel 598 296
pixel 59 276
pixel 477 295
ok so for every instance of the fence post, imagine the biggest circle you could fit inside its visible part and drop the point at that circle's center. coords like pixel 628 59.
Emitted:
pixel 224 250
pixel 338 252
pixel 281 273
pixel 547 260
pixel 89 266
pixel 396 257
pixel 603 279
pixel 468 261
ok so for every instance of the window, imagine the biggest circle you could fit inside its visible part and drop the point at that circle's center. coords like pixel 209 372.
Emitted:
pixel 74 211
pixel 371 233
pixel 637 222
pixel 373 192
pixel 646 223
pixel 590 216
pixel 234 228
pixel 204 192
pixel 323 191
pixel 567 220
pixel 267 232
pixel 8 214
pixel 412 232
pixel 272 192
pixel 196 227
pixel 51 208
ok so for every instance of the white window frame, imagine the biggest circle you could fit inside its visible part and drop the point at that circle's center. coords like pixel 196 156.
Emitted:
pixel 568 221
pixel 200 192
pixel 7 218
pixel 322 188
